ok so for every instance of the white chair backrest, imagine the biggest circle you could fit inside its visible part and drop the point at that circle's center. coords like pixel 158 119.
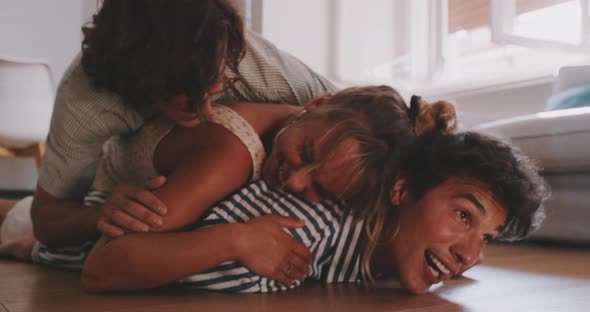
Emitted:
pixel 26 101
pixel 568 77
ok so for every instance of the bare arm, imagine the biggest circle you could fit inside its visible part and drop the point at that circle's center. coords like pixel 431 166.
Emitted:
pixel 217 165
pixel 141 261
pixel 51 215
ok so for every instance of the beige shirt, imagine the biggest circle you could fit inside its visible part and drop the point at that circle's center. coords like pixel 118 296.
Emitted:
pixel 85 118
pixel 130 159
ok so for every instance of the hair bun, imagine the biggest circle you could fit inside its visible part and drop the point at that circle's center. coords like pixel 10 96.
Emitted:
pixel 437 117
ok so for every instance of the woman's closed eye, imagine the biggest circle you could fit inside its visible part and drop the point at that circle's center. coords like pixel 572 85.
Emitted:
pixel 306 152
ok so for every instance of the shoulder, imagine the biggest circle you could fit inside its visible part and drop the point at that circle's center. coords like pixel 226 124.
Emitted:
pixel 80 106
pixel 208 144
pixel 272 75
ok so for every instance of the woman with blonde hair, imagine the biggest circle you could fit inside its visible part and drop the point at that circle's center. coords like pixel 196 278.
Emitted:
pixel 419 209
pixel 336 150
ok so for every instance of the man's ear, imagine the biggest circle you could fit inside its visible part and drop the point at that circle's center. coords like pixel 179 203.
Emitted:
pixel 398 191
pixel 318 101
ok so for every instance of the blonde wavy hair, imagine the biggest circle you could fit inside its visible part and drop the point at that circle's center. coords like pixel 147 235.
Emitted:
pixel 378 119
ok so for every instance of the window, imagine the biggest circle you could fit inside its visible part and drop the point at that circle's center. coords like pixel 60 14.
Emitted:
pixel 430 44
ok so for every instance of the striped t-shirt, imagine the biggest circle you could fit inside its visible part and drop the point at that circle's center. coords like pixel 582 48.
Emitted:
pixel 331 233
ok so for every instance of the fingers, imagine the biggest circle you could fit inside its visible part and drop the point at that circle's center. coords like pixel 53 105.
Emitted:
pixel 108 229
pixel 300 250
pixel 147 199
pixel 132 209
pixel 141 213
pixel 284 279
pixel 155 183
pixel 288 222
pixel 299 268
pixel 285 276
pixel 119 218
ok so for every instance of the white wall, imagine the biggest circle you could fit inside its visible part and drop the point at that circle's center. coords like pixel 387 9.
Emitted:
pixel 360 37
pixel 300 27
pixel 44 29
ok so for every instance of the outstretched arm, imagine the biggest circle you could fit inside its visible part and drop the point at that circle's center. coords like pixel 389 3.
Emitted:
pixel 141 261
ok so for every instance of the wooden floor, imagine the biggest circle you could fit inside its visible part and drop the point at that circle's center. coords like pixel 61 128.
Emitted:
pixel 514 278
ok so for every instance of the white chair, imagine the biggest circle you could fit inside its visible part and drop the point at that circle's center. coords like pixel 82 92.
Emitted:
pixel 26 103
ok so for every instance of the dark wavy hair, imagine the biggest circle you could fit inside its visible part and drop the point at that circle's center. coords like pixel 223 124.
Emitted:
pixel 513 178
pixel 148 50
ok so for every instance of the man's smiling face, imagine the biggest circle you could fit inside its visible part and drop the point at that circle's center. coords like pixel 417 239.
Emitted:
pixel 442 234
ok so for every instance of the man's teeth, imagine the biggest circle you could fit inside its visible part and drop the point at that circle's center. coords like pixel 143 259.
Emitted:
pixel 434 272
pixel 441 267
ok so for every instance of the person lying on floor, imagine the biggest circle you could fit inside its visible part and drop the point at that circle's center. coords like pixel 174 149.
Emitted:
pixel 384 99
pixel 227 152
pixel 451 196
pixel 439 217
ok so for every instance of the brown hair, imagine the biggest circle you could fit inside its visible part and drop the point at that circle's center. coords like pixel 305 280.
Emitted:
pixel 145 50
pixel 512 177
pixel 378 118
pixel 428 160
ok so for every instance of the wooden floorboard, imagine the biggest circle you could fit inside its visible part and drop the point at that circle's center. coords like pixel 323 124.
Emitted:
pixel 513 278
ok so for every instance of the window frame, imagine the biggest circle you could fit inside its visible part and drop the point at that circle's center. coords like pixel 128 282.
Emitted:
pixel 427 65
pixel 502 12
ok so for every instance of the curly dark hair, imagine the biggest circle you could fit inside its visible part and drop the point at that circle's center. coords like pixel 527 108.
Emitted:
pixel 149 50
pixel 512 177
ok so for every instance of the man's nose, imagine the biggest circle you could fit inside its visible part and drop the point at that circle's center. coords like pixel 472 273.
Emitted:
pixel 467 251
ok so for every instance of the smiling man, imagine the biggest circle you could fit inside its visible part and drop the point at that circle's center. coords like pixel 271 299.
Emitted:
pixel 454 194
pixel 450 225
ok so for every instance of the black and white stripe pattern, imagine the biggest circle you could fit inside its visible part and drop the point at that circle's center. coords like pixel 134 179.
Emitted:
pixel 69 257
pixel 330 232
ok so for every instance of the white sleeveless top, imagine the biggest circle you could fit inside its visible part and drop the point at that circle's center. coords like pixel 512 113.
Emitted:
pixel 130 159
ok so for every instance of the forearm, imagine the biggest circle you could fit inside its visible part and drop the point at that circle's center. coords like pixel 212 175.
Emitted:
pixel 141 261
pixel 63 222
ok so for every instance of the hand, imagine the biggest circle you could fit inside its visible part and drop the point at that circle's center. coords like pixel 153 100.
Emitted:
pixel 267 250
pixel 132 209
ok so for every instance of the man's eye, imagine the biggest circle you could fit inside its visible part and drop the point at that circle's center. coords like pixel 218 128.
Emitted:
pixel 487 238
pixel 464 216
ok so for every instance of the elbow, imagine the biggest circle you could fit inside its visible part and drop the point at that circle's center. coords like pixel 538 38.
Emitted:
pixel 93 281
pixel 97 277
